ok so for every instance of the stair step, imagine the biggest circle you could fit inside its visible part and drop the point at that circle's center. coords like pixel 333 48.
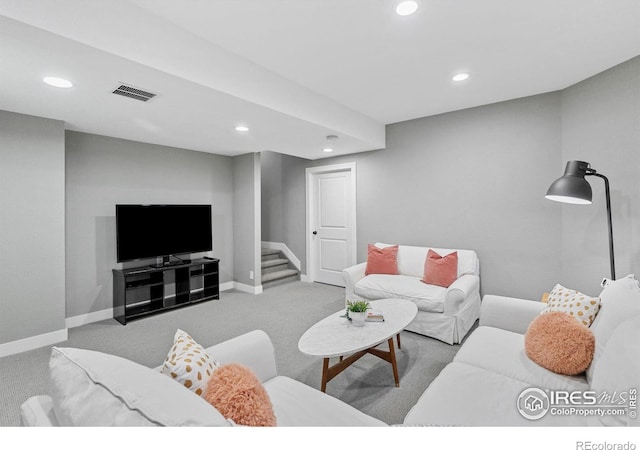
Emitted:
pixel 273 276
pixel 269 254
pixel 274 262
pixel 276 268
pixel 274 265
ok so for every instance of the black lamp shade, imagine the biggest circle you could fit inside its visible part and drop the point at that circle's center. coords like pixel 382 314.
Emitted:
pixel 572 186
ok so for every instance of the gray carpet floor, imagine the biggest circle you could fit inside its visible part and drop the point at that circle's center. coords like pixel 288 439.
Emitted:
pixel 284 312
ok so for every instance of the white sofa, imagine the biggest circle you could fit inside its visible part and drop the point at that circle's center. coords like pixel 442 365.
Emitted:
pixel 446 314
pixel 482 385
pixel 115 391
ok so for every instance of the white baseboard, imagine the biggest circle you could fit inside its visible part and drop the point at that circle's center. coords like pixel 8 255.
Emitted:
pixel 43 340
pixel 83 319
pixel 227 286
pixel 304 277
pixel 255 290
pixel 97 316
pixel 284 249
pixel 33 342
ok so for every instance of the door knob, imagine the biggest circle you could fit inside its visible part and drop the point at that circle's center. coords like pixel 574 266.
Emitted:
pixel 315 232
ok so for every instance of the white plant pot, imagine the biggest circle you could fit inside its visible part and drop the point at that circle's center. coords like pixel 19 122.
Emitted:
pixel 357 318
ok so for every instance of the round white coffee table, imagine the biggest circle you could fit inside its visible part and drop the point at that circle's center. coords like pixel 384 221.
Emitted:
pixel 335 336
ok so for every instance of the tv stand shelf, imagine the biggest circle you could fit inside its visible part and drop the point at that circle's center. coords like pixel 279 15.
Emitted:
pixel 143 291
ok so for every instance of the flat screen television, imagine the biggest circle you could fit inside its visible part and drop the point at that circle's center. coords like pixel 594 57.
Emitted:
pixel 154 231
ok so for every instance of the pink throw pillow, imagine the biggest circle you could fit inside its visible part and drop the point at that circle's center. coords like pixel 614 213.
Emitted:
pixel 236 392
pixel 440 270
pixel 559 343
pixel 382 260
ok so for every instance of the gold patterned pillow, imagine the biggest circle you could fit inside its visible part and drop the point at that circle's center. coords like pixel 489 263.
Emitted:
pixel 578 305
pixel 189 364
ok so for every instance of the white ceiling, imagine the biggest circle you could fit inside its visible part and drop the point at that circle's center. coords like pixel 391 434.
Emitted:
pixel 295 71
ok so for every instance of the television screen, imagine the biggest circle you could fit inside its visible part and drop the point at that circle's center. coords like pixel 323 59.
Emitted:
pixel 152 231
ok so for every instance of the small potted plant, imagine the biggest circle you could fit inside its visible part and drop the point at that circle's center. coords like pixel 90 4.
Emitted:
pixel 357 312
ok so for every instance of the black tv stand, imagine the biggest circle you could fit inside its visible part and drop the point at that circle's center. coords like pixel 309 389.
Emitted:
pixel 166 262
pixel 143 291
pixel 170 264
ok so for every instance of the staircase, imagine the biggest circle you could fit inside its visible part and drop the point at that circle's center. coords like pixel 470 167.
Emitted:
pixel 276 269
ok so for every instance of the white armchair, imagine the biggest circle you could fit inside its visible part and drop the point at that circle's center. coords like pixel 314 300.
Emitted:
pixel 446 314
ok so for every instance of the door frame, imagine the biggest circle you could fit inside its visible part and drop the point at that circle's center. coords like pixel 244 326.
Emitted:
pixel 310 173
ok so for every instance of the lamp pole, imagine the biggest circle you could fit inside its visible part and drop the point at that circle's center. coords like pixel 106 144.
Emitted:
pixel 592 172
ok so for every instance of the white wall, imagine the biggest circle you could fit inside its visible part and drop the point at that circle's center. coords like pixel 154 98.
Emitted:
pixel 32 224
pixel 103 171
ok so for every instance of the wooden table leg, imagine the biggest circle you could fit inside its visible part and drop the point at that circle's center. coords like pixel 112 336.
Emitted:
pixel 330 372
pixel 325 374
pixel 394 364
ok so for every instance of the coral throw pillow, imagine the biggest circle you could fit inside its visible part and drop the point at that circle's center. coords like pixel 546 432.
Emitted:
pixel 440 270
pixel 559 343
pixel 382 260
pixel 236 392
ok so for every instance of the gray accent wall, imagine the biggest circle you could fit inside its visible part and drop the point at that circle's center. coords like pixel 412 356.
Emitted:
pixel 283 198
pixel 103 171
pixel 471 179
pixel 272 195
pixel 246 218
pixel 601 125
pixel 32 223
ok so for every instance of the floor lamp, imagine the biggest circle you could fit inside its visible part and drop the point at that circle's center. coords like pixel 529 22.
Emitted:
pixel 573 188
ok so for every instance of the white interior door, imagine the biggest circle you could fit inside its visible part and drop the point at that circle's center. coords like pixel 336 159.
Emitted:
pixel 331 224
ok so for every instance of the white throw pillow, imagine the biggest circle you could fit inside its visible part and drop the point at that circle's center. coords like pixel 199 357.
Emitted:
pixel 580 306
pixel 90 388
pixel 189 364
pixel 619 300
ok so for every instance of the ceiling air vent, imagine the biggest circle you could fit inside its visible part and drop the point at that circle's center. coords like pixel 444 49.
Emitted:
pixel 132 92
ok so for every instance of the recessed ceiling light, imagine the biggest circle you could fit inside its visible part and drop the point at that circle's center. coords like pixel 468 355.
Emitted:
pixel 406 7
pixel 460 76
pixel 327 150
pixel 242 128
pixel 57 82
